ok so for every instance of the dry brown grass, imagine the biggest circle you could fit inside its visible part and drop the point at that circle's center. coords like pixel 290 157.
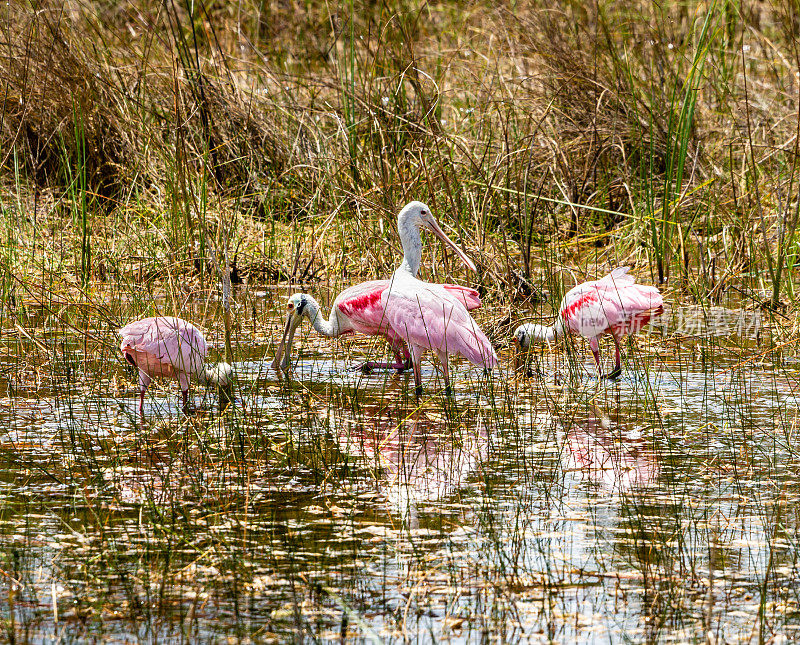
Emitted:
pixel 269 118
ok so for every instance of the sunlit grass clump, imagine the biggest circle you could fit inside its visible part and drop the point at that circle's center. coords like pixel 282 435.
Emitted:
pixel 205 160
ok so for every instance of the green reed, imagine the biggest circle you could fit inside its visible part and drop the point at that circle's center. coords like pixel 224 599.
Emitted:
pixel 293 513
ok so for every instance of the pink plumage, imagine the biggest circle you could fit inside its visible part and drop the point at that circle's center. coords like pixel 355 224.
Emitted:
pixel 613 305
pixel 362 304
pixel 428 317
pixel 362 308
pixel 359 308
pixel 470 298
pixel 167 347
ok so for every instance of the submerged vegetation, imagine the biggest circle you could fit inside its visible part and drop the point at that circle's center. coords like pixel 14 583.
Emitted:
pixel 151 154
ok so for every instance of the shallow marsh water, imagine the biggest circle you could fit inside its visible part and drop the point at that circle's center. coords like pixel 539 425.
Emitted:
pixel 658 508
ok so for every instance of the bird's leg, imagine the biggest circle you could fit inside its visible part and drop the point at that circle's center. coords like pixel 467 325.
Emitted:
pixel 417 379
pixel 400 363
pixel 407 362
pixel 416 364
pixel 617 371
pixel 184 380
pixel 595 345
pixel 402 360
pixel 144 381
pixel 448 391
pixel 596 353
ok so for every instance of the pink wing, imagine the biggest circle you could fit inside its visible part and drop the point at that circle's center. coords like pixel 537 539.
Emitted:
pixel 637 304
pixel 362 307
pixel 166 340
pixel 617 279
pixel 613 302
pixel 627 305
pixel 470 298
pixel 640 297
pixel 433 318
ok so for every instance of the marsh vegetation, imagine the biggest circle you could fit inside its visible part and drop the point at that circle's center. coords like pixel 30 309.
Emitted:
pixel 150 153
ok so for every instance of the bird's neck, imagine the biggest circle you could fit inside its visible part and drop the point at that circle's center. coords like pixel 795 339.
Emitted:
pixel 548 333
pixel 325 327
pixel 411 239
pixel 557 329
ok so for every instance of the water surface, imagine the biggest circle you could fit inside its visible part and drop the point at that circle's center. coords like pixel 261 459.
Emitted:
pixel 334 505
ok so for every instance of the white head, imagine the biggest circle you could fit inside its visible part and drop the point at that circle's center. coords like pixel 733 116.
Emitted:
pixel 220 374
pixel 412 218
pixel 530 333
pixel 298 305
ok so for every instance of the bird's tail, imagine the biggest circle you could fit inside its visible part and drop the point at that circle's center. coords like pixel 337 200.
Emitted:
pixel 470 298
pixel 478 349
pixel 641 298
pixel 220 374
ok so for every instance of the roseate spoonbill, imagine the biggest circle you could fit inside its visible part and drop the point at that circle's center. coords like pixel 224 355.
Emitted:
pixel 356 309
pixel 614 305
pixel 428 317
pixel 171 348
pixel 359 309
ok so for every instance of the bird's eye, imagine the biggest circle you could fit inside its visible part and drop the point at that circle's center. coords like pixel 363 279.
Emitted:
pixel 290 306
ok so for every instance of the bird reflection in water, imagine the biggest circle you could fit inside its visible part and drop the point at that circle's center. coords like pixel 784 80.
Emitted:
pixel 417 460
pixel 609 456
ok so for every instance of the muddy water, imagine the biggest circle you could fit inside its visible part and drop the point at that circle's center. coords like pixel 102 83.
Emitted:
pixel 333 505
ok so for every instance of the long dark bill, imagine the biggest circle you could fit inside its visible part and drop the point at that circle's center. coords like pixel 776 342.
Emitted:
pixel 284 350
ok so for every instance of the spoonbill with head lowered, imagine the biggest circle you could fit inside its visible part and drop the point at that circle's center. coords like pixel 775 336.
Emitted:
pixel 360 309
pixel 169 347
pixel 614 305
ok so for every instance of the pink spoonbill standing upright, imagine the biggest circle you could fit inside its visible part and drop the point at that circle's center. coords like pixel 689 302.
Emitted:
pixel 613 305
pixel 360 308
pixel 169 347
pixel 427 317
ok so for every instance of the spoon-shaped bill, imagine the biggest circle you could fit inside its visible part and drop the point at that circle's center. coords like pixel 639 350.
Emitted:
pixel 438 232
pixel 285 346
